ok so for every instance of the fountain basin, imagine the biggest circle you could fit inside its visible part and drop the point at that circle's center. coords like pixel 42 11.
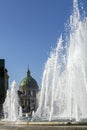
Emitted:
pixel 22 125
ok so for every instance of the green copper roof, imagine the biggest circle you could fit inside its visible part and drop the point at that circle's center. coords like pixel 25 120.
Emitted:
pixel 29 81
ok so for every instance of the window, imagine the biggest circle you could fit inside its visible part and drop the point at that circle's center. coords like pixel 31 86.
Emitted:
pixel 34 93
pixel 32 101
pixel 29 93
pixel 24 92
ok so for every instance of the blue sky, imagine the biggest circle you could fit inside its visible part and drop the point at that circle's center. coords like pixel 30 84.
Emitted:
pixel 28 30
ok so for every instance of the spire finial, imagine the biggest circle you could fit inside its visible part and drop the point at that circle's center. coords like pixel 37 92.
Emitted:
pixel 28 66
pixel 28 71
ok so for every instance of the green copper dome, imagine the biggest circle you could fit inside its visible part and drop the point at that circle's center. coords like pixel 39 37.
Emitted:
pixel 28 81
pixel 24 82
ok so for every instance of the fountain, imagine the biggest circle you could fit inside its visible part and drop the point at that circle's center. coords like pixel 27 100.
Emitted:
pixel 63 97
pixel 11 107
pixel 64 82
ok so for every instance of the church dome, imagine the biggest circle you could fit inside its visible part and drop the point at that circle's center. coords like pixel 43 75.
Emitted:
pixel 28 81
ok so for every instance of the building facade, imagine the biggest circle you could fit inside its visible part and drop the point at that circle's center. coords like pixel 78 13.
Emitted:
pixel 27 93
pixel 3 82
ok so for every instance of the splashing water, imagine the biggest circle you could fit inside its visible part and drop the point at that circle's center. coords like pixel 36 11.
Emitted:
pixel 12 109
pixel 64 82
